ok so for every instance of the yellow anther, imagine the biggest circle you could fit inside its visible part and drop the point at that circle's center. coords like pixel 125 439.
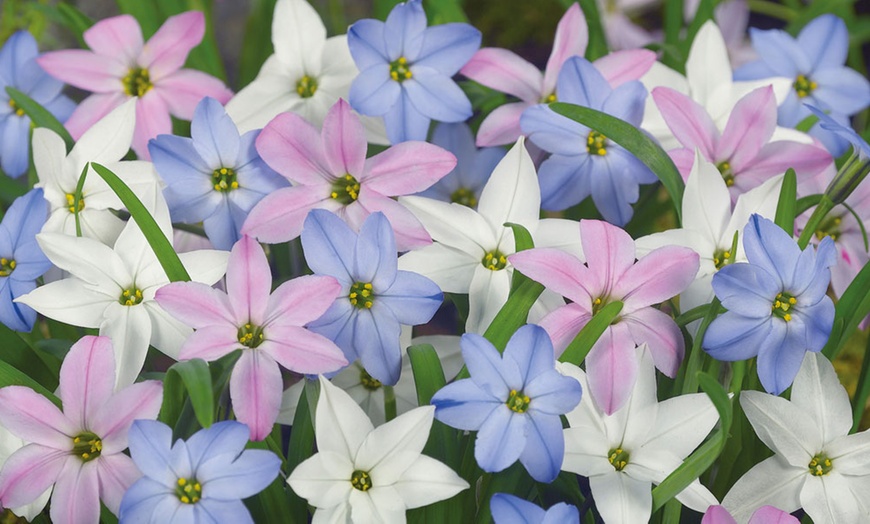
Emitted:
pixel 597 301
pixel 185 499
pixel 792 301
pixel 182 482
pixel 787 317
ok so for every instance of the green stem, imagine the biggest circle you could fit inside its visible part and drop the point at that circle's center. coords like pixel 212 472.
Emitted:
pixel 862 392
pixel 825 205
pixel 77 198
pixel 389 403
pixel 692 315
pixel 764 7
pixel 690 382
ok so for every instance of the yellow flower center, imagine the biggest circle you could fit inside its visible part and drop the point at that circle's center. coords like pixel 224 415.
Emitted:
pixel 16 108
pixel 224 179
pixel 804 86
pixel 721 258
pixel 345 189
pixel 596 144
pixel 87 446
pixel 7 266
pixel 306 86
pixel 369 382
pixel 830 228
pixel 131 297
pixel 518 402
pixel 361 480
pixel 71 202
pixel 250 335
pixel 464 196
pixel 618 457
pixel 361 295
pixel 137 82
pixel 783 303
pixel 188 491
pixel 726 172
pixel 549 99
pixel 820 465
pixel 400 70
pixel 494 260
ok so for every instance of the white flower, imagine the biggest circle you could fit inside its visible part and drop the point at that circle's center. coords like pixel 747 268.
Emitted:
pixel 306 75
pixel 709 225
pixel 639 445
pixel 9 444
pixel 367 474
pixel 113 289
pixel 817 465
pixel 106 143
pixel 471 249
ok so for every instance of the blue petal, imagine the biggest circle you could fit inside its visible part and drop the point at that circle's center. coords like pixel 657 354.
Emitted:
pixel 531 349
pixel 565 181
pixel 819 321
pixel 404 122
pixel 448 47
pixel 626 102
pixel 755 70
pixel 545 447
pixel 582 84
pixel 337 324
pixel 214 135
pixel 464 405
pixel 224 225
pixel 508 509
pixel 780 52
pixel 222 511
pixel 15 316
pixel 412 298
pixel 746 289
pixel 142 500
pixel 61 107
pixel 244 477
pixel 437 96
pixel 553 393
pixel 614 188
pixel 14 145
pixel 30 262
pixel 561 512
pixel 17 51
pixel 780 355
pixel 328 243
pixel 825 40
pixel 403 32
pixel 220 438
pixel 841 129
pixel 365 39
pixel 376 338
pixel 733 337
pixel 25 217
pixel 487 368
pixel 501 440
pixel 150 448
pixel 373 92
pixel 458 139
pixel 552 132
pixel 770 248
pixel 816 285
pixel 175 158
pixel 375 259
pixel 842 90
pixel 36 83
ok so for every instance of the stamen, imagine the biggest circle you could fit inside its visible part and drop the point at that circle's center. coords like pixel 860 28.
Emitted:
pixel 518 402
pixel 465 197
pixel 15 108
pixel 368 381
pixel 494 260
pixel 804 86
pixel 188 491
pixel 726 172
pixel 137 82
pixel 831 227
pixel 87 446
pixel 400 70
pixel 361 480
pixel 549 99
pixel 782 304
pixel 250 335
pixel 345 189
pixel 361 295
pixel 131 296
pixel 71 202
pixel 306 86
pixel 721 258
pixel 224 179
pixel 820 465
pixel 7 266
pixel 596 143
pixel 618 457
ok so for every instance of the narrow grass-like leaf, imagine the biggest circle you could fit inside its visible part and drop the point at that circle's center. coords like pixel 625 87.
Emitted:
pixel 161 245
pixel 428 375
pixel 851 309
pixel 145 12
pixel 12 376
pixel 806 202
pixel 807 123
pixel 522 241
pixel 197 381
pixel 673 25
pixel 597 46
pixel 40 116
pixel 10 189
pixel 300 448
pixel 703 13
pixel 76 21
pixel 257 45
pixel 860 222
pixel 445 11
pixel 785 207
pixel 591 332
pixel 633 140
pixel 862 391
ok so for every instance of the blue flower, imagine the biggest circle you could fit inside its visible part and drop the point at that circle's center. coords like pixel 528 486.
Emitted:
pixel 375 298
pixel 216 176
pixel 856 168
pixel 473 166
pixel 508 509
pixel 777 304
pixel 406 69
pixel 18 69
pixel 513 401
pixel 585 162
pixel 816 61
pixel 200 480
pixel 21 260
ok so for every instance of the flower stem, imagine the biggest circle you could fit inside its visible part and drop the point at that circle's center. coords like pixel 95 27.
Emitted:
pixel 825 205
pixel 389 403
pixel 773 9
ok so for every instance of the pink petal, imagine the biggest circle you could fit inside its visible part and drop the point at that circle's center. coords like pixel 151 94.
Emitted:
pixel 302 351
pixel 504 71
pixel 91 110
pixel 167 50
pixel 776 157
pixel 32 417
pixel 195 304
pixel 293 147
pixel 301 300
pixel 609 253
pixel 611 367
pixel 620 67
pixel 662 336
pixel 87 378
pixel 118 37
pixel 152 119
pixel 684 159
pixel 502 125
pixel 255 389
pixel 183 90
pixel 85 70
pixel 113 420
pixel 28 472
pixel 249 281
pixel 770 515
pixel 115 473
pixel 410 233
pixel 557 270
pixel 211 343
pixel 688 121
pixel 663 273
pixel 563 325
pixel 718 515
pixel 344 140
pixel 76 496
pixel 280 215
pixel 407 168
pixel 572 35
pixel 749 127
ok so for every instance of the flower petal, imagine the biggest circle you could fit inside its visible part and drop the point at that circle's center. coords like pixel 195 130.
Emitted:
pixel 112 422
pixel 612 368
pixel 687 119
pixel 297 349
pixel 166 51
pixel 544 448
pixel 344 140
pixel 195 304
pixel 76 496
pixel 572 36
pixel 750 126
pixel 407 168
pixel 505 71
pixel 621 498
pixel 250 473
pixel 501 440
pixel 87 379
pixel 255 389
pixel 556 270
pixel 30 471
pixel 447 47
pixel 772 482
pixel 340 424
pixel 33 418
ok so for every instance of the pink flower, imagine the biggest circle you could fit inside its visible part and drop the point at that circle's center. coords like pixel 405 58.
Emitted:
pixel 763 515
pixel 268 328
pixel 78 450
pixel 505 71
pixel 746 152
pixel 610 274
pixel 120 66
pixel 329 170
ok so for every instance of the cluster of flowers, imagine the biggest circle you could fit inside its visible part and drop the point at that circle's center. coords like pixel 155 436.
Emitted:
pixel 385 236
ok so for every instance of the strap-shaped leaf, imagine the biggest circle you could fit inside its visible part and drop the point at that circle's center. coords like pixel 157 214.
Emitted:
pixel 522 241
pixel 194 377
pixel 853 306
pixel 591 332
pixel 12 376
pixel 40 116
pixel 787 204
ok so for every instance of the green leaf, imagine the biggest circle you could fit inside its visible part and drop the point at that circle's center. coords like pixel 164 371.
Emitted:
pixel 428 375
pixel 597 46
pixel 161 245
pixel 785 208
pixel 522 240
pixel 40 116
pixel 75 21
pixel 703 457
pixel 196 378
pixel 145 12
pixel 634 141
pixel 591 332
pixel 513 314
pixel 12 376
pixel 445 11
pixel 852 307
pixel 806 202
pixel 382 8
pixel 862 391
pixel 807 123
pixel 257 45
pixel 301 447
pixel 10 189
pixel 206 56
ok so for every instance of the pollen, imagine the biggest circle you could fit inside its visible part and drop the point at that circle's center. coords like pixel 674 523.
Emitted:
pixel 596 144
pixel 16 108
pixel 7 266
pixel 518 402
pixel 188 491
pixel 224 179
pixel 721 258
pixel 494 260
pixel 400 70
pixel 820 465
pixel 597 304
pixel 464 196
pixel 131 296
pixel 71 203
pixel 250 335
pixel 306 87
pixel 137 82
pixel 726 172
pixel 804 86
pixel 618 457
pixel 87 446
pixel 361 295
pixel 369 382
pixel 345 189
pixel 831 227
pixel 782 304
pixel 549 99
pixel 361 480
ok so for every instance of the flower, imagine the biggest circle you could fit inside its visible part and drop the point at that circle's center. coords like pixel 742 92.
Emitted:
pixel 21 260
pixel 611 273
pixel 856 167
pixel 508 509
pixel 513 401
pixel 817 465
pixel 464 184
pixel 777 304
pixel 505 71
pixel 406 69
pixel 201 480
pixel 815 62
pixel 329 170
pixel 9 444
pixel 268 328
pixel 640 444
pixel 216 176
pixel 119 67
pixel 743 153
pixel 621 29
pixel 375 298
pixel 113 289
pixel 471 249
pixel 585 162
pixel 18 69
pixel 763 515
pixel 79 449
pixel 367 474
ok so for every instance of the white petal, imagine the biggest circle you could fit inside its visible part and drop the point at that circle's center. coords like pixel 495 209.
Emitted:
pixel 108 140
pixel 708 66
pixel 512 193
pixel 88 260
pixel 340 424
pixel 168 334
pixel 586 450
pixel 818 394
pixel 634 421
pixel 205 265
pixel 323 479
pixel 448 267
pixel 428 481
pixel 653 121
pixel 487 294
pixel 298 34
pixel 782 427
pixel 828 500
pixel 760 200
pixel 391 448
pixel 454 225
pixel 676 237
pixel 139 176
pixel 129 327
pixel 772 482
pixel 69 301
pixel 656 464
pixel 682 423
pixel 621 499
pixel 851 454
pixel 561 234
pixel 271 93
pixel 706 202
pixel 289 403
pixel 49 152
